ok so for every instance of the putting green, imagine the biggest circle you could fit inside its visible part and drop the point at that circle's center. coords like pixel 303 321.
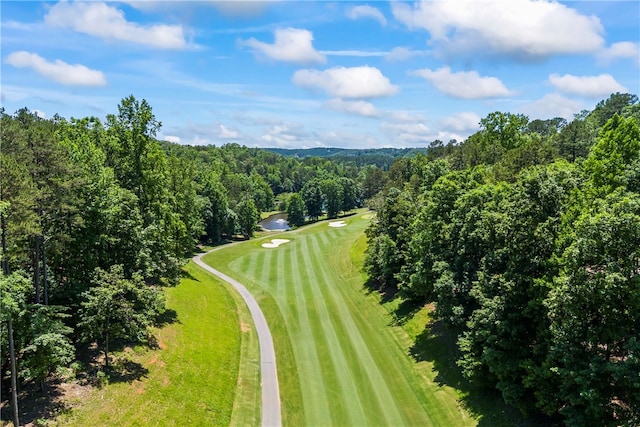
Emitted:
pixel 339 361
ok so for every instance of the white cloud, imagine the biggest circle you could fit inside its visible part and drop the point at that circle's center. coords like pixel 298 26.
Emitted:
pixel 524 29
pixel 342 82
pixel 406 134
pixel 589 86
pixel 59 71
pixel 461 123
pixel 107 22
pixel 284 135
pixel 172 138
pixel 361 108
pixel 407 128
pixel 463 84
pixel 366 11
pixel 40 113
pixel 226 133
pixel 620 50
pixel 401 53
pixel 553 105
pixel 290 45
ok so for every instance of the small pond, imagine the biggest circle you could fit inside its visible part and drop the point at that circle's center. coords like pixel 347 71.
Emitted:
pixel 275 222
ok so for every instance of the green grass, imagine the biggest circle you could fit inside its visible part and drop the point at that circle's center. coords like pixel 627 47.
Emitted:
pixel 341 360
pixel 196 376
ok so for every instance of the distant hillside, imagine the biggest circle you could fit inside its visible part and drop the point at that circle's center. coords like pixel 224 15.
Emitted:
pixel 346 152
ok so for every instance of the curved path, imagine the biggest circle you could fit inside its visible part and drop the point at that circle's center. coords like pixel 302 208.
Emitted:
pixel 268 371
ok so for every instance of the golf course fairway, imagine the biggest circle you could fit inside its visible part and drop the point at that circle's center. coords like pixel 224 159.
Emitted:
pixel 339 360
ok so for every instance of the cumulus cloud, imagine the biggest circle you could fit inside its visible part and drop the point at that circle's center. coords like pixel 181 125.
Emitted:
pixel 461 123
pixel 407 134
pixel 361 108
pixel 290 45
pixel 588 86
pixel 620 50
pixel 553 105
pixel 343 82
pixel 524 29
pixel 463 84
pixel 59 71
pixel 284 135
pixel 40 113
pixel 172 138
pixel 366 11
pixel 102 20
pixel 226 133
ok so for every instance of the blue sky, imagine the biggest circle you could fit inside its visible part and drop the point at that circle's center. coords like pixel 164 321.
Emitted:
pixel 299 74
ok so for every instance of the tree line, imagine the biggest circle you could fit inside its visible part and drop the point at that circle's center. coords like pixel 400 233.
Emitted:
pixel 527 239
pixel 97 216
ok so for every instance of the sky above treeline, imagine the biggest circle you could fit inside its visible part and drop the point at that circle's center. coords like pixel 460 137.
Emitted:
pixel 301 74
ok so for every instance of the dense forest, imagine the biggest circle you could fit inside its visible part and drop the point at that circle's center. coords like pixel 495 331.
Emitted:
pixel 526 237
pixel 380 157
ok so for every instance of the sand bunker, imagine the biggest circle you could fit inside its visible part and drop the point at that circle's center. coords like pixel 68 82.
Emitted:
pixel 275 243
pixel 337 224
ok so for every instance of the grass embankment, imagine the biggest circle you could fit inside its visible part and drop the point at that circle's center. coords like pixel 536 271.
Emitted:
pixel 340 362
pixel 193 377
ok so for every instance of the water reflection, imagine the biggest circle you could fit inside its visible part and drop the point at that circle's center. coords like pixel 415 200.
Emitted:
pixel 275 222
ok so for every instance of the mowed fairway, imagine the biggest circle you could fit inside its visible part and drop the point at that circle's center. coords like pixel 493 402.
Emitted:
pixel 339 361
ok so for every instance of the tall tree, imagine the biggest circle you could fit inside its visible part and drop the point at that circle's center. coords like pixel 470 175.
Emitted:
pixel 332 193
pixel 118 308
pixel 594 309
pixel 15 291
pixel 312 196
pixel 295 210
pixel 248 216
pixel 618 146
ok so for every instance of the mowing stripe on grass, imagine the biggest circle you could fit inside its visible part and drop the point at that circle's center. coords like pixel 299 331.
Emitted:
pixel 346 400
pixel 307 355
pixel 355 346
pixel 352 367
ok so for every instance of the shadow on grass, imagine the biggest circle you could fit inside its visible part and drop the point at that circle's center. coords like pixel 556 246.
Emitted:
pixel 125 370
pixel 184 274
pixel 438 345
pixel 35 403
pixel 169 317
pixel 404 311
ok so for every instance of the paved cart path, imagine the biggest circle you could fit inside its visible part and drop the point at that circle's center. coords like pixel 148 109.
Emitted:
pixel 268 372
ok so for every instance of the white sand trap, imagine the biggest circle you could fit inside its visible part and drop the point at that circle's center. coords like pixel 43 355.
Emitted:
pixel 337 224
pixel 275 243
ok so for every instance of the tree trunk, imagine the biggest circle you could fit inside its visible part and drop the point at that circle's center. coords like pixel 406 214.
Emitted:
pixel 45 285
pixel 3 256
pixel 36 269
pixel 14 380
pixel 106 352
